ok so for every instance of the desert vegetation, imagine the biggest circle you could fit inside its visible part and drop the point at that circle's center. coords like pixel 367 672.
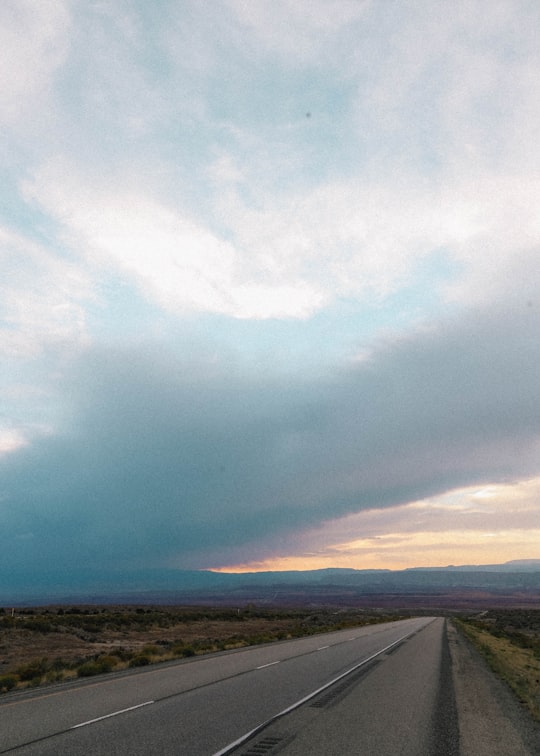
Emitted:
pixel 509 639
pixel 52 644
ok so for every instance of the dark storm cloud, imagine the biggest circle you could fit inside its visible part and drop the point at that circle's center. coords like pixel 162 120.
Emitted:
pixel 165 458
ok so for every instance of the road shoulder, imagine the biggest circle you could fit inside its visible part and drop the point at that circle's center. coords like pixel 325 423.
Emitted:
pixel 491 720
pixel 391 707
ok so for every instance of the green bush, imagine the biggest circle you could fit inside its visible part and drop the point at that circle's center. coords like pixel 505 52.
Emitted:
pixel 108 662
pixel 8 682
pixel 97 666
pixel 140 660
pixel 89 669
pixel 37 625
pixel 54 675
pixel 152 650
pixel 179 649
pixel 123 654
pixel 33 671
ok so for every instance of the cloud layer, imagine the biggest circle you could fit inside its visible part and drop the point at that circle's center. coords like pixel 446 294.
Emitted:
pixel 166 459
pixel 265 268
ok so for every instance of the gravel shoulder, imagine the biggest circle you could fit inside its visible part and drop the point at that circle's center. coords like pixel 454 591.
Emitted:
pixel 491 720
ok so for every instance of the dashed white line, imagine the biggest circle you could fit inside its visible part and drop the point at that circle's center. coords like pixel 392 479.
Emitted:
pixel 322 648
pixel 232 746
pixel 112 714
pixel 270 664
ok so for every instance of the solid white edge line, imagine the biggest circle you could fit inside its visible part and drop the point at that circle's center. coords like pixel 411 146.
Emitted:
pixel 248 735
pixel 113 714
pixel 270 664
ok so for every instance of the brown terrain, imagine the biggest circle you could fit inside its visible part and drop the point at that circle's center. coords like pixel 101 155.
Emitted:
pixel 50 644
pixel 57 643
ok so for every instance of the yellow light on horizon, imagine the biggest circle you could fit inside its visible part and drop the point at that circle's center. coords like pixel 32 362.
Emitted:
pixel 487 524
pixel 399 551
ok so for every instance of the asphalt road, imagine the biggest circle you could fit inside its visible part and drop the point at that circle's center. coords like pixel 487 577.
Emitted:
pixel 414 688
pixel 200 707
pixel 402 704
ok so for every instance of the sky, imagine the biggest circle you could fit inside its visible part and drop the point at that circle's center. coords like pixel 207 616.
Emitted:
pixel 269 284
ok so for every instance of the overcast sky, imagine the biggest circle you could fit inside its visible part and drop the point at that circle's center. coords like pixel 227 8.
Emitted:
pixel 269 283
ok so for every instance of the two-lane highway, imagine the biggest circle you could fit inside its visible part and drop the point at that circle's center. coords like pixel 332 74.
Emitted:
pixel 199 706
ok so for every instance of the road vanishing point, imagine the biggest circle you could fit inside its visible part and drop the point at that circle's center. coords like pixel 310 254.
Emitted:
pixel 412 687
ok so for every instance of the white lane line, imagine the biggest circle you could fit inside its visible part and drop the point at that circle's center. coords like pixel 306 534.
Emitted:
pixel 113 714
pixel 270 664
pixel 322 648
pixel 229 748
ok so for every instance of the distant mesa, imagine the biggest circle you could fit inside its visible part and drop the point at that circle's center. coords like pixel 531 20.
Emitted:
pixel 514 583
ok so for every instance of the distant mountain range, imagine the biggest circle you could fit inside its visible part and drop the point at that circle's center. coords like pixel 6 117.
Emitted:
pixel 515 565
pixel 512 583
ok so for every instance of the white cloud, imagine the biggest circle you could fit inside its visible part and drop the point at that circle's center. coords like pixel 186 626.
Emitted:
pixel 298 253
pixel 43 298
pixel 298 29
pixel 259 245
pixel 11 440
pixel 34 41
pixel 365 239
pixel 175 261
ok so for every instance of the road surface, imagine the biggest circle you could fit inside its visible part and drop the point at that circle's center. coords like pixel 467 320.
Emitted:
pixel 381 689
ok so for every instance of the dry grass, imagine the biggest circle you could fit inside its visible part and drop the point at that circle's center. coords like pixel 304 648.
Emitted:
pixel 518 666
pixel 58 643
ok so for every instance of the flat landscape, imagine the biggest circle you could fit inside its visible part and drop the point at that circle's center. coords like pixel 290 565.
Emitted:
pixel 51 644
pixel 43 645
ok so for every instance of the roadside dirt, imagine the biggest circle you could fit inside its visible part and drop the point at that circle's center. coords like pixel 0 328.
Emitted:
pixel 19 647
pixel 22 646
pixel 66 637
pixel 491 720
